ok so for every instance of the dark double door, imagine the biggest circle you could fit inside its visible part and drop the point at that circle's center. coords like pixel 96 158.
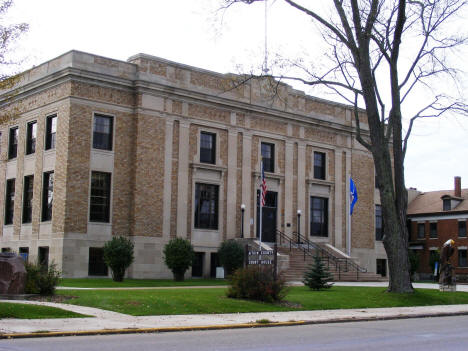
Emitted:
pixel 269 213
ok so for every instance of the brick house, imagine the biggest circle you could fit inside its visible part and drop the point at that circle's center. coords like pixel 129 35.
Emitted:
pixel 152 149
pixel 435 217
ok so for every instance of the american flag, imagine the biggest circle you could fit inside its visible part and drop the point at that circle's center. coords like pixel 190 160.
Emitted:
pixel 263 185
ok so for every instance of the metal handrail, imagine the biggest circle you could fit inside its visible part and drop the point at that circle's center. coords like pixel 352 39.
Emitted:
pixel 308 246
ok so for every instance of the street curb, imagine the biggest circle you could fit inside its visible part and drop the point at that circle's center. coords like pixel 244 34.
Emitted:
pixel 222 326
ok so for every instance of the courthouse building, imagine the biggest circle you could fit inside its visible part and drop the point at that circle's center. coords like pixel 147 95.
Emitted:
pixel 151 149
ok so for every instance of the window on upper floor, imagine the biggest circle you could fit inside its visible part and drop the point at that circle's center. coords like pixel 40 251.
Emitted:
pixel 421 230
pixel 462 229
pixel 13 143
pixel 447 205
pixel 51 132
pixel 208 147
pixel 9 201
pixel 433 230
pixel 103 127
pixel 318 216
pixel 31 133
pixel 28 198
pixel 319 165
pixel 268 157
pixel 206 206
pixel 462 261
pixel 47 195
pixel 378 223
pixel 99 205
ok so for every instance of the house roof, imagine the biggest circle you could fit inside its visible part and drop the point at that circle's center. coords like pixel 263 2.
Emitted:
pixel 431 202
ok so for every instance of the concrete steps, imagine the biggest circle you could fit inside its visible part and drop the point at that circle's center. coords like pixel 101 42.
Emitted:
pixel 298 265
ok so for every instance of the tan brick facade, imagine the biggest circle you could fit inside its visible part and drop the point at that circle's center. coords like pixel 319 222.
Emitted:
pixel 158 109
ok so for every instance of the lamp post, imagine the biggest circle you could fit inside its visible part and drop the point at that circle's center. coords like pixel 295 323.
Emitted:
pixel 242 221
pixel 299 226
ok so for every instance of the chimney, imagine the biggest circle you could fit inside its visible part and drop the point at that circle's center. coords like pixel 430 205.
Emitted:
pixel 457 187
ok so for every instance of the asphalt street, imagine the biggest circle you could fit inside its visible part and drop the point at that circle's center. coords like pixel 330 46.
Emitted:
pixel 437 333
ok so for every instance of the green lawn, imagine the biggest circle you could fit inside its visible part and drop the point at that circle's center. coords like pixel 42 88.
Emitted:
pixel 24 311
pixel 213 300
pixel 127 283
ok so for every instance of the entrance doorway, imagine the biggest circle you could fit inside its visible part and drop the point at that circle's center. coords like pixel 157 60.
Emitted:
pixel 268 216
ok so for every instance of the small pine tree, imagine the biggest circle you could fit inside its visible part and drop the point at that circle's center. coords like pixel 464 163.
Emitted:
pixel 317 276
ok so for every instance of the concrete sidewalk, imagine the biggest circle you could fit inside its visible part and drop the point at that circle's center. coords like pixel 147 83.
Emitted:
pixel 107 322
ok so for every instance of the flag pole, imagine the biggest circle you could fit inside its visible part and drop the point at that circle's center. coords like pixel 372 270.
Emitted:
pixel 261 204
pixel 349 230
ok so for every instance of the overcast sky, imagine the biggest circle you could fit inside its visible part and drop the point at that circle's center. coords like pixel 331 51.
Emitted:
pixel 195 33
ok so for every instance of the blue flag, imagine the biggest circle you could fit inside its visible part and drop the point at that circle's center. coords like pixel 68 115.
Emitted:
pixel 353 195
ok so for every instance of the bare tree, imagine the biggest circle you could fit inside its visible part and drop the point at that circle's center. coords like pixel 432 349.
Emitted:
pixel 9 34
pixel 366 38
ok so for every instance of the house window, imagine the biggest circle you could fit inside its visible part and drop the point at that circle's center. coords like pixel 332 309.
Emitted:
pixel 31 138
pixel 319 165
pixel 9 201
pixel 96 264
pixel 462 262
pixel 433 230
pixel 208 147
pixel 378 223
pixel 43 256
pixel 102 132
pixel 381 267
pixel 268 157
pixel 206 206
pixel 99 209
pixel 318 216
pixel 462 229
pixel 13 143
pixel 28 198
pixel 47 195
pixel 51 130
pixel 421 230
pixel 447 205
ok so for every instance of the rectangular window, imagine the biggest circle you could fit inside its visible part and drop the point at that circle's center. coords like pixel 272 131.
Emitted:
pixel 28 198
pixel 24 253
pixel 421 230
pixel 47 195
pixel 433 230
pixel 206 206
pixel 99 208
pixel 43 256
pixel 378 223
pixel 318 216
pixel 31 134
pixel 446 203
pixel 462 229
pixel 51 131
pixel 96 264
pixel 13 143
pixel 382 267
pixel 9 201
pixel 208 147
pixel 268 156
pixel 102 132
pixel 462 262
pixel 319 165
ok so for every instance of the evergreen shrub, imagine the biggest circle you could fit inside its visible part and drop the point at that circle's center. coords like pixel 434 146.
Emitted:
pixel 178 256
pixel 118 256
pixel 231 256
pixel 317 276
